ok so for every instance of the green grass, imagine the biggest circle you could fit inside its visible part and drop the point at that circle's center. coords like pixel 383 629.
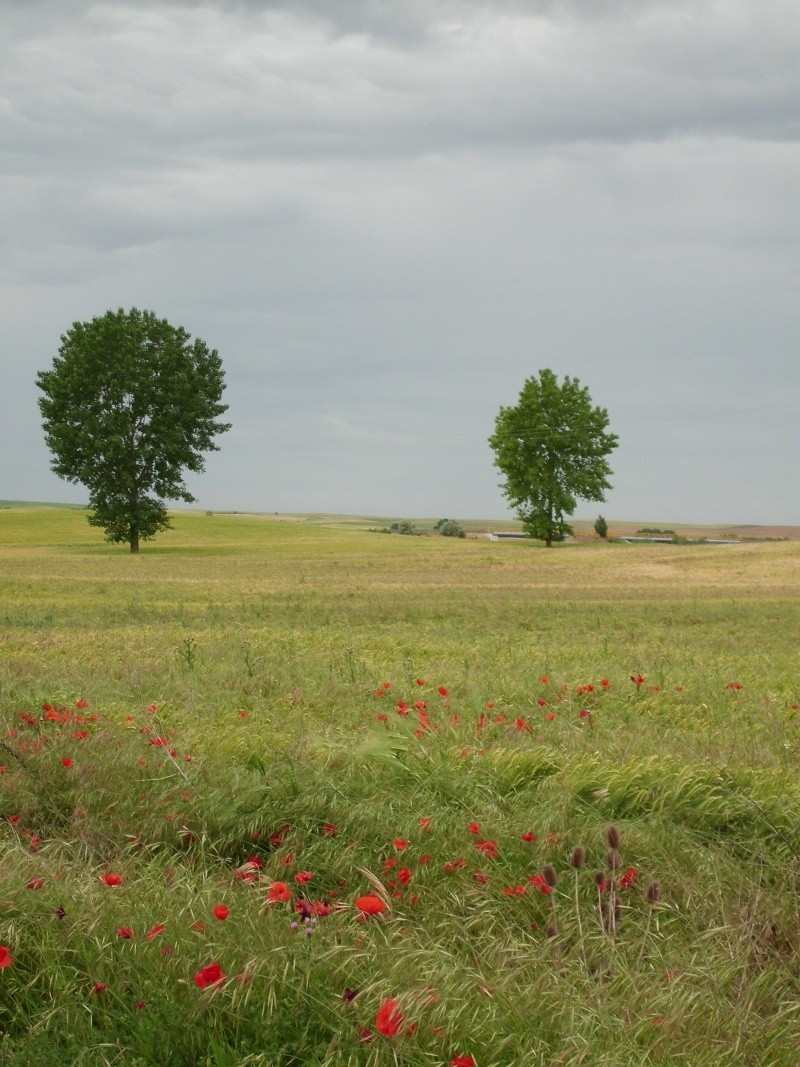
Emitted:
pixel 262 641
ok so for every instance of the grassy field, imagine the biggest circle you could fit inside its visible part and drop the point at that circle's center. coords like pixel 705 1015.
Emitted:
pixel 236 710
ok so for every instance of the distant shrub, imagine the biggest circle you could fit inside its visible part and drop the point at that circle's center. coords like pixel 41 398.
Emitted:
pixel 407 528
pixel 655 530
pixel 601 527
pixel 450 528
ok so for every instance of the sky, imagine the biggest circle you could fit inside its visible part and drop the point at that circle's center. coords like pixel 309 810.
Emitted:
pixel 387 214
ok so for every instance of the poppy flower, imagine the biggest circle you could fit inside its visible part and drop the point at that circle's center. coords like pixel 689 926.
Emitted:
pixel 111 879
pixel 529 835
pixel 400 844
pixel 404 876
pixel 637 679
pixel 420 681
pixel 100 986
pixel 462 1061
pixel 125 932
pixel 154 931
pixel 370 904
pixel 209 976
pixel 303 877
pixel 278 893
pixel 389 1018
pixel 425 822
pixel 221 912
pixel 66 762
pixel 329 830
pixel 5 957
pixel 474 828
pixel 628 877
pixel 35 883
pixel 488 848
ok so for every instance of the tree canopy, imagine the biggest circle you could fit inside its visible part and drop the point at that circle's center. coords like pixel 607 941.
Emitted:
pixel 552 448
pixel 130 403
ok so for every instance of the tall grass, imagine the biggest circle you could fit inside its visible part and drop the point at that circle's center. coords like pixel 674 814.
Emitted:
pixel 251 688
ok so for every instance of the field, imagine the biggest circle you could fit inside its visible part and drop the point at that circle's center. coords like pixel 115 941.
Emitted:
pixel 285 793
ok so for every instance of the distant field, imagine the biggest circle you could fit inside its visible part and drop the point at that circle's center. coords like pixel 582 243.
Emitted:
pixel 236 709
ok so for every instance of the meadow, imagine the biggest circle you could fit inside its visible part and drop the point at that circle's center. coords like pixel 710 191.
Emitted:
pixel 282 793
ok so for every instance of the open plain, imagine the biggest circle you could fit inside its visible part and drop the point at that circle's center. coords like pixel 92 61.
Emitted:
pixel 293 793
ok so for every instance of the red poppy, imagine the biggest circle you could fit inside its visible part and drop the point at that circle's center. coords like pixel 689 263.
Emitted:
pixel 488 848
pixel 125 932
pixel 420 681
pixel 81 735
pixel 474 828
pixel 637 679
pixel 100 986
pixel 111 879
pixel 453 865
pixel 442 691
pixel 389 1018
pixel 404 876
pixel 425 822
pixel 522 725
pixel 81 703
pixel 278 893
pixel 628 877
pixel 462 1061
pixel 66 762
pixel 529 835
pixel 480 877
pixel 400 844
pixel 369 904
pixel 329 830
pixel 5 957
pixel 514 891
pixel 211 975
pixel 402 707
pixel 221 912
pixel 303 877
pixel 154 931
pixel 35 883
pixel 604 683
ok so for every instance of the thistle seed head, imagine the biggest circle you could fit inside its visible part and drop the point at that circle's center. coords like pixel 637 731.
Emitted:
pixel 549 874
pixel 653 893
pixel 577 858
pixel 613 838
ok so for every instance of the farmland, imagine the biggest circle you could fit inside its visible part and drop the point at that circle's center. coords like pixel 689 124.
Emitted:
pixel 433 724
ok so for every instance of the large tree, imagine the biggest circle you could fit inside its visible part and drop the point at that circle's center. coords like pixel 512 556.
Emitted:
pixel 130 403
pixel 552 449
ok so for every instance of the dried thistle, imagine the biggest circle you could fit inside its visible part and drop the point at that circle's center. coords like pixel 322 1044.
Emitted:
pixel 578 857
pixel 551 930
pixel 613 838
pixel 549 874
pixel 653 893
pixel 599 878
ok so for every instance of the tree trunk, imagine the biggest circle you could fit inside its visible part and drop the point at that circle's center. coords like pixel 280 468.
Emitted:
pixel 134 539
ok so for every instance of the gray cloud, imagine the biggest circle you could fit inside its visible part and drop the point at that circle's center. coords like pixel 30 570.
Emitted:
pixel 386 216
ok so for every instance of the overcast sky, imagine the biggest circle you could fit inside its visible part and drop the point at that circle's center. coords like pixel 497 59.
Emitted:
pixel 387 214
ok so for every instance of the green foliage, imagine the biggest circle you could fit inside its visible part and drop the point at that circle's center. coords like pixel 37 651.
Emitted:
pixel 450 528
pixel 129 404
pixel 552 449
pixel 601 526
pixel 406 528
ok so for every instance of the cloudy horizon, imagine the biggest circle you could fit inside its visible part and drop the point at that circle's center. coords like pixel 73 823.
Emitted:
pixel 386 216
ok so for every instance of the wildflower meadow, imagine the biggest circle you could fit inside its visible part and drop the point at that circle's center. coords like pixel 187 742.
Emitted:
pixel 281 792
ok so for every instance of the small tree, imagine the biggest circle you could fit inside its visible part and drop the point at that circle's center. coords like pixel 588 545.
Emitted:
pixel 601 527
pixel 129 404
pixel 450 528
pixel 552 448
